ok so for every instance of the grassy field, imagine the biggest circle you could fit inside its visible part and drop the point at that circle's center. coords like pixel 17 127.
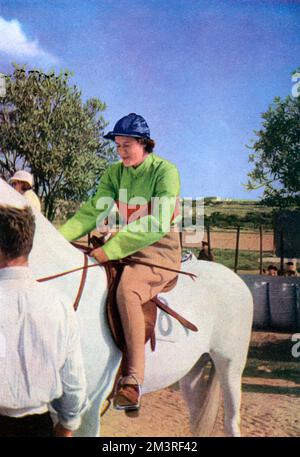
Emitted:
pixel 270 357
pixel 237 207
pixel 248 215
pixel 247 261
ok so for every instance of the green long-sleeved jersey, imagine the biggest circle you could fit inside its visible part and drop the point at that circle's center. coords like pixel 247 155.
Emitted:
pixel 155 177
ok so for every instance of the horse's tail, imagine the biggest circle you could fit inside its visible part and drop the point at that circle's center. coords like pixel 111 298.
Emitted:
pixel 201 391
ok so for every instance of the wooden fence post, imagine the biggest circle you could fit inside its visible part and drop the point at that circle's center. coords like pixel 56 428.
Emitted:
pixel 237 249
pixel 260 249
pixel 208 237
pixel 281 252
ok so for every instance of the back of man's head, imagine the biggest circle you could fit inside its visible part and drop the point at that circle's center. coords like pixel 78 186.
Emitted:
pixel 17 227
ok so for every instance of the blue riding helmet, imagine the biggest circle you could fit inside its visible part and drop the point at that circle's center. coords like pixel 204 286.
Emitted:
pixel 131 125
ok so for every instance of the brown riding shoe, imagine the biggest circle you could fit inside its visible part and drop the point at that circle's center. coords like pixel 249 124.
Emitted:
pixel 127 397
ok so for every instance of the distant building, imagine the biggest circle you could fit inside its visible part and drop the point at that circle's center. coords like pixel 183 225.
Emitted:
pixel 213 199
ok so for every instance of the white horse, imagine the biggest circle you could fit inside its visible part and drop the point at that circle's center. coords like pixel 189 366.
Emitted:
pixel 218 302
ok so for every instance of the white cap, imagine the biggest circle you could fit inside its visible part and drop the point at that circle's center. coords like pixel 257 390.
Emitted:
pixel 24 176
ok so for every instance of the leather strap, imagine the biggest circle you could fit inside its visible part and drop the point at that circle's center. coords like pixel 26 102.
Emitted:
pixel 177 316
pixel 86 249
pixel 82 283
pixel 58 275
pixel 126 261
pixel 141 262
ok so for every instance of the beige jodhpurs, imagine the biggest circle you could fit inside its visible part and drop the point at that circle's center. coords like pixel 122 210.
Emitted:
pixel 138 284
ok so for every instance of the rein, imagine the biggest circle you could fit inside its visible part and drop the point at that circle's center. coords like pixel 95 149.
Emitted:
pixel 82 281
pixel 126 261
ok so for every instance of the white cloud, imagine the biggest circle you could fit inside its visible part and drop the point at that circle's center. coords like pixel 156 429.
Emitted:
pixel 14 42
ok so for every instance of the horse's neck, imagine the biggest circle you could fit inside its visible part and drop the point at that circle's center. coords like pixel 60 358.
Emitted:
pixel 51 253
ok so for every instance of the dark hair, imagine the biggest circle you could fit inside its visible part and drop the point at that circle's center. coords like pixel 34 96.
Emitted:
pixel 272 267
pixel 148 143
pixel 17 227
pixel 26 186
pixel 290 263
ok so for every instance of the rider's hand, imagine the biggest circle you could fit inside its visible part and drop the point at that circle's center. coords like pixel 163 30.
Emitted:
pixel 99 255
pixel 61 432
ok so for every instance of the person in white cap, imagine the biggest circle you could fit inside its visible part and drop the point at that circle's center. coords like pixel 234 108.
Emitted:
pixel 22 182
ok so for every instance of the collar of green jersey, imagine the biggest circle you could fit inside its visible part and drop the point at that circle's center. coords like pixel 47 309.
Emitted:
pixel 144 166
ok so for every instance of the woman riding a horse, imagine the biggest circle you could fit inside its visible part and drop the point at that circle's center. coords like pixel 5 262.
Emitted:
pixel 145 188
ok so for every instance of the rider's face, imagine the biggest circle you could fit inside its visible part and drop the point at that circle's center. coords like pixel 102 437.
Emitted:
pixel 131 152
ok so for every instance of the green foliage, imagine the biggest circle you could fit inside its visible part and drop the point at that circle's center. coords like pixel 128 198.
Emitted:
pixel 46 128
pixel 276 156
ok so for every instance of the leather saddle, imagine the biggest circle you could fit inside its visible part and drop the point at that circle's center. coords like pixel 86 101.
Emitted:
pixel 114 272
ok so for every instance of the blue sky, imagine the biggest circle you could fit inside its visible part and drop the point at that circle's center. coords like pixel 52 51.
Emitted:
pixel 201 72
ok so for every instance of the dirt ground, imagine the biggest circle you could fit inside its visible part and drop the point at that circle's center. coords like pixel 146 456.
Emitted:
pixel 248 241
pixel 270 400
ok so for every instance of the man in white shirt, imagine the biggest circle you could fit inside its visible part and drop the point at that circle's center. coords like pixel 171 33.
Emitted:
pixel 40 355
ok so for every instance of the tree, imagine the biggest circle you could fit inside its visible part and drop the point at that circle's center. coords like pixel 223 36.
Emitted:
pixel 276 156
pixel 46 128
